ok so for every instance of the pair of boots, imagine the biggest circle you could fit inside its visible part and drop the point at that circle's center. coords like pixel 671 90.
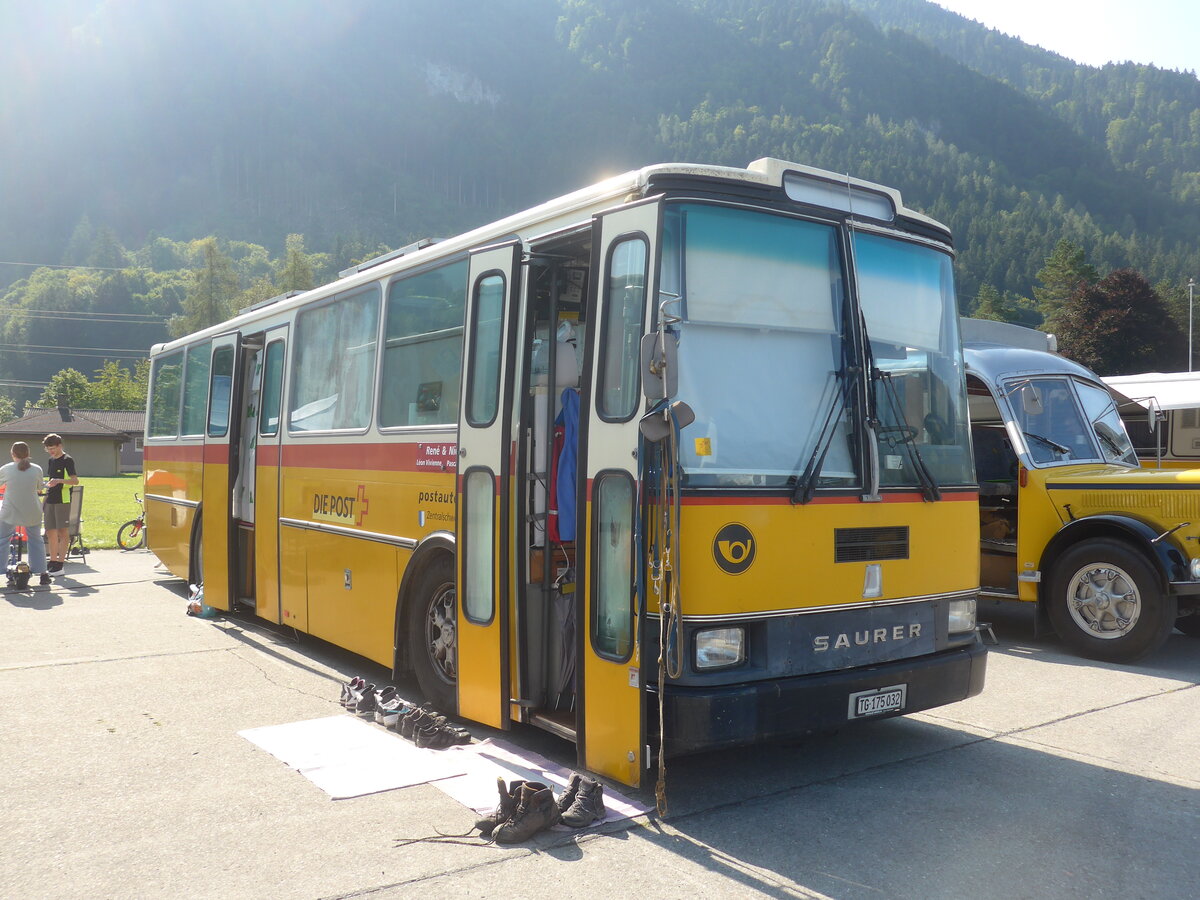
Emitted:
pixel 527 807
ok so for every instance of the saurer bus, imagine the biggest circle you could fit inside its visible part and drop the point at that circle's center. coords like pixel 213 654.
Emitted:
pixel 678 461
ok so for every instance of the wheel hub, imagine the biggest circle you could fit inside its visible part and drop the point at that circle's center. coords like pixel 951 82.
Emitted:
pixel 1105 601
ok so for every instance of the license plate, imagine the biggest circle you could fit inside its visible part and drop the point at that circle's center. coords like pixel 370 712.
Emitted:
pixel 878 701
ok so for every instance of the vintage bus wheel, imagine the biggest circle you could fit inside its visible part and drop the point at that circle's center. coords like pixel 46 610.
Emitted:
pixel 432 621
pixel 1105 602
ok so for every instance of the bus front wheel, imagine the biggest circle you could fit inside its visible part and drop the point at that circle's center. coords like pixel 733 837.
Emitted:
pixel 432 625
pixel 1105 602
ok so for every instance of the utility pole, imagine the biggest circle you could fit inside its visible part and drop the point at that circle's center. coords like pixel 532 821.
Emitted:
pixel 1191 294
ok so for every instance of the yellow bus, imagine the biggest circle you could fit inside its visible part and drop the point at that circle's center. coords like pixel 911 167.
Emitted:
pixel 718 411
pixel 1069 520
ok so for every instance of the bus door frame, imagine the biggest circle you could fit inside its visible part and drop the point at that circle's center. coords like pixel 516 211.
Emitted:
pixel 483 654
pixel 218 531
pixel 268 596
pixel 610 720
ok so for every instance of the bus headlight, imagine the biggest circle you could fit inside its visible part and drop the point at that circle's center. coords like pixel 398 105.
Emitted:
pixel 962 615
pixel 719 648
pixel 1194 569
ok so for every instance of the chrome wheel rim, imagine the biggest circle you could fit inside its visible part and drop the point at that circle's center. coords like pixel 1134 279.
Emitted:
pixel 441 634
pixel 1104 601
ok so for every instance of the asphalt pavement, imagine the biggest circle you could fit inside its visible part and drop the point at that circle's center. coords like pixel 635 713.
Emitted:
pixel 124 776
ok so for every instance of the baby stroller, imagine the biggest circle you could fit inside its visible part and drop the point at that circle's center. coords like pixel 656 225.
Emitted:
pixel 17 570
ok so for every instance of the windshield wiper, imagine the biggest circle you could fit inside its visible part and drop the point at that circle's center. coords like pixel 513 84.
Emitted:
pixel 929 486
pixel 807 484
pixel 1053 445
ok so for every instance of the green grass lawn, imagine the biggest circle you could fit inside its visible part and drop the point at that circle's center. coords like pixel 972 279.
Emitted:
pixel 107 505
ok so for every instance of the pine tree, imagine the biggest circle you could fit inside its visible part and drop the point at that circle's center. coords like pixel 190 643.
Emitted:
pixel 1065 271
pixel 210 299
pixel 296 273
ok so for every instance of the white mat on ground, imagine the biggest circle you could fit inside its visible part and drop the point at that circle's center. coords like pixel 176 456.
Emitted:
pixel 347 757
pixel 491 759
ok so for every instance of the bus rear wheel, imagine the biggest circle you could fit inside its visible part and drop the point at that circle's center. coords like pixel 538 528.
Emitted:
pixel 1105 602
pixel 432 625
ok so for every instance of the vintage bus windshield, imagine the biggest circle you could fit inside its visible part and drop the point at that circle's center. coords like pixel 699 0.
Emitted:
pixel 1057 428
pixel 906 292
pixel 768 290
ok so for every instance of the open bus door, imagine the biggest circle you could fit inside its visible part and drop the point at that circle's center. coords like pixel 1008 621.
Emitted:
pixel 609 681
pixel 265 499
pixel 484 535
pixel 218 545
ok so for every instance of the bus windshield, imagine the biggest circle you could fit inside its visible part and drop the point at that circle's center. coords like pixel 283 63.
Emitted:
pixel 769 291
pixel 1058 428
pixel 906 292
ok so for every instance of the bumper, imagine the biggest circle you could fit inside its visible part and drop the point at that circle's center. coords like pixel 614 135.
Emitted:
pixel 699 719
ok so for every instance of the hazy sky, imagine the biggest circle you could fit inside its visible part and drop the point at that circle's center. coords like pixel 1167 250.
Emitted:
pixel 1165 33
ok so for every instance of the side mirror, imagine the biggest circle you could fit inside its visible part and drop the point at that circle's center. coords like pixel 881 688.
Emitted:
pixel 656 425
pixel 1031 400
pixel 659 353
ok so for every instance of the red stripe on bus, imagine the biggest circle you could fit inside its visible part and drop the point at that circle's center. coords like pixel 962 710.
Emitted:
pixel 266 455
pixel 173 453
pixel 432 458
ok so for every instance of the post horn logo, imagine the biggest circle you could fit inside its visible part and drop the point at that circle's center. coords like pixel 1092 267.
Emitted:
pixel 733 548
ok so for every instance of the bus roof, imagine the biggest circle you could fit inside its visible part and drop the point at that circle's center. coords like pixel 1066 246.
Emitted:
pixel 1169 390
pixel 562 212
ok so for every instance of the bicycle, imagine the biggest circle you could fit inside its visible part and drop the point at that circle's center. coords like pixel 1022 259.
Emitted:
pixel 132 535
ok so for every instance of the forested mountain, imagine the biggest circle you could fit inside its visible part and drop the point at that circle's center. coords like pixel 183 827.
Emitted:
pixel 133 130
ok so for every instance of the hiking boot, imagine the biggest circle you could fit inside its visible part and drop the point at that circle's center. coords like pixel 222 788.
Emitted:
pixel 433 737
pixel 567 797
pixel 503 812
pixel 536 811
pixel 588 805
pixel 409 722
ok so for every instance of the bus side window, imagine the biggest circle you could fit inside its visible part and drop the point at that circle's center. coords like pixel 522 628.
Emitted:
pixel 624 312
pixel 166 390
pixel 195 389
pixel 268 423
pixel 333 369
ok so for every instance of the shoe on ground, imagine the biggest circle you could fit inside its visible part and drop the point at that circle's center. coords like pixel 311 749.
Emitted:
pixel 588 805
pixel 55 565
pixel 45 580
pixel 388 711
pixel 351 692
pixel 503 812
pixel 567 797
pixel 366 703
pixel 536 811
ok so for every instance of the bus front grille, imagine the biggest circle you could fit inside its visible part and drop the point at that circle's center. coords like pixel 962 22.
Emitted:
pixel 868 544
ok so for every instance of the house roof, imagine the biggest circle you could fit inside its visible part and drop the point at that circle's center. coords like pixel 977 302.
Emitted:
pixel 130 421
pixel 57 420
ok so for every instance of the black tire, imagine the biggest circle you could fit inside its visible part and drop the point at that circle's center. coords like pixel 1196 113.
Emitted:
pixel 1189 625
pixel 432 634
pixel 131 535
pixel 1106 603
